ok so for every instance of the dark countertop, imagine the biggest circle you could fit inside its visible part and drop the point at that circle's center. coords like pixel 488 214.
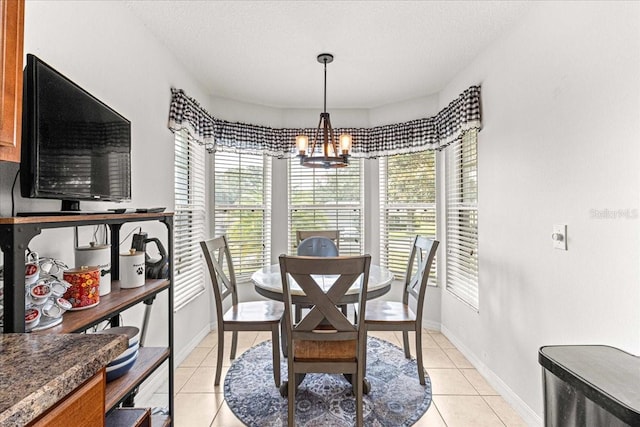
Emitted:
pixel 39 370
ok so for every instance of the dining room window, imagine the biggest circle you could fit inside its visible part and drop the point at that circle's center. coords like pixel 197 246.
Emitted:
pixel 242 208
pixel 407 207
pixel 327 199
pixel 188 219
pixel 462 218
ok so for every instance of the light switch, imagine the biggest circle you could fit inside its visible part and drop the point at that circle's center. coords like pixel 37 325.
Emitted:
pixel 559 236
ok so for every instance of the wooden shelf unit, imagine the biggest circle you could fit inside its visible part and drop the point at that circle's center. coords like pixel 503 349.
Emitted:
pixel 15 235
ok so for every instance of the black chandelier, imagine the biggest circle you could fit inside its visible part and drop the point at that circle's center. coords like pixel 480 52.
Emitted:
pixel 330 156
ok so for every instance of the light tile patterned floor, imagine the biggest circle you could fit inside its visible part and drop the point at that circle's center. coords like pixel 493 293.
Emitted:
pixel 461 396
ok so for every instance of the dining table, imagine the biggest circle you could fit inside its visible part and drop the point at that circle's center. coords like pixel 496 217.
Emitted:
pixel 268 283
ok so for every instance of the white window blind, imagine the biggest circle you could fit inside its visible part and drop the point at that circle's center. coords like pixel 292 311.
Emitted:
pixel 407 207
pixel 327 199
pixel 188 219
pixel 242 209
pixel 462 218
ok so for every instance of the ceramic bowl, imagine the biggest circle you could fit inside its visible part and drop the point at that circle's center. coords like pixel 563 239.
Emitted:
pixel 116 371
pixel 124 356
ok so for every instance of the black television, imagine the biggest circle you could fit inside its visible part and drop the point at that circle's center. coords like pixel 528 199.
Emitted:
pixel 74 147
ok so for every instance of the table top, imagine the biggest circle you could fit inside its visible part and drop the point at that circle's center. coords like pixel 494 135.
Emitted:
pixel 268 283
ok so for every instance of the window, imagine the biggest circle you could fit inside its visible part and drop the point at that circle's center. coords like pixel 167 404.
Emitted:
pixel 327 199
pixel 407 207
pixel 462 218
pixel 188 219
pixel 242 208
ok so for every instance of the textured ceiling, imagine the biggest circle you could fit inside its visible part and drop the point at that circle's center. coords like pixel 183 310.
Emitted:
pixel 264 52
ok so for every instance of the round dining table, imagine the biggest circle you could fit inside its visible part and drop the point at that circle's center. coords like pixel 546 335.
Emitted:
pixel 268 283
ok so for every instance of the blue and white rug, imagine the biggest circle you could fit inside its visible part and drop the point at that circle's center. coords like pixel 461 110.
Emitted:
pixel 396 397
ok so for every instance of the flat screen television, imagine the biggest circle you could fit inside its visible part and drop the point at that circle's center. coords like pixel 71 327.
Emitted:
pixel 74 147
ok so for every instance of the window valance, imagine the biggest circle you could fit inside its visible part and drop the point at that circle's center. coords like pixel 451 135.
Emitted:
pixel 432 133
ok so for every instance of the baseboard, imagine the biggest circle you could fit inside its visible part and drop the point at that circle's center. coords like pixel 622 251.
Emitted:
pixel 526 413
pixel 430 324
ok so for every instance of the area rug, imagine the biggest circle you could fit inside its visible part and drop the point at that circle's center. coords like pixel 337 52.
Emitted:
pixel 396 397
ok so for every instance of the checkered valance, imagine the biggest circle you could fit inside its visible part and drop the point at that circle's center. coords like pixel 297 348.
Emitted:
pixel 432 133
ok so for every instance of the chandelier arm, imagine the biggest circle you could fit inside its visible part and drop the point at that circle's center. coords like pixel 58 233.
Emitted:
pixel 336 153
pixel 315 138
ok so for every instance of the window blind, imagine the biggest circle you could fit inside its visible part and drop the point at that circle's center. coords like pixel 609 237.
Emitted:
pixel 462 219
pixel 327 199
pixel 407 207
pixel 188 219
pixel 242 208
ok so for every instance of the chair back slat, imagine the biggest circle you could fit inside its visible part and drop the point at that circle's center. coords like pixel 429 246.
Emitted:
pixel 217 255
pixel 423 252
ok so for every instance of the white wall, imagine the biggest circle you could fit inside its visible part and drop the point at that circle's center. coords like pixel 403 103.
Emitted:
pixel 104 49
pixel 561 119
pixel 561 103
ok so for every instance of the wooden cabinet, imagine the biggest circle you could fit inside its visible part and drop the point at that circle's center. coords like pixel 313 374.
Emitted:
pixel 15 235
pixel 12 27
pixel 83 407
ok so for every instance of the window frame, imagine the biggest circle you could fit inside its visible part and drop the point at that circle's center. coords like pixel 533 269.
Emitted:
pixel 351 243
pixel 242 266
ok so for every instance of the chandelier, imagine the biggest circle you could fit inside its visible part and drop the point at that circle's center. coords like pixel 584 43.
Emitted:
pixel 330 157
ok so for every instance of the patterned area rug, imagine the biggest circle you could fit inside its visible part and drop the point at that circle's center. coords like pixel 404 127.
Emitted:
pixel 396 397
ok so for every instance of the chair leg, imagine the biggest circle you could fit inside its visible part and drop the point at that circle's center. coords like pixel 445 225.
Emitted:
pixel 283 335
pixel 358 388
pixel 419 354
pixel 234 344
pixel 220 356
pixel 405 343
pixel 291 398
pixel 275 348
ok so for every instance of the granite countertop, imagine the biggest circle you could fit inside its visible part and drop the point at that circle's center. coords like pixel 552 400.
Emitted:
pixel 39 370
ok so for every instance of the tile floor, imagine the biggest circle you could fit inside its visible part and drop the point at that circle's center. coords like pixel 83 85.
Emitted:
pixel 461 396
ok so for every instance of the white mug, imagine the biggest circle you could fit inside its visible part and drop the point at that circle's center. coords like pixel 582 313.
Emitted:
pixel 132 269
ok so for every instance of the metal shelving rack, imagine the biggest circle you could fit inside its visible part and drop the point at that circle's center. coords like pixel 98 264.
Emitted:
pixel 15 235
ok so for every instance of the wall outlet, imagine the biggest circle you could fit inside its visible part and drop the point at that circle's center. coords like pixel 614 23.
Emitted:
pixel 559 236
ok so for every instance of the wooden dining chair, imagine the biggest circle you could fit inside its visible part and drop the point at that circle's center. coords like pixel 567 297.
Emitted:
pixel 398 316
pixel 325 340
pixel 241 316
pixel 317 246
pixel 333 235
